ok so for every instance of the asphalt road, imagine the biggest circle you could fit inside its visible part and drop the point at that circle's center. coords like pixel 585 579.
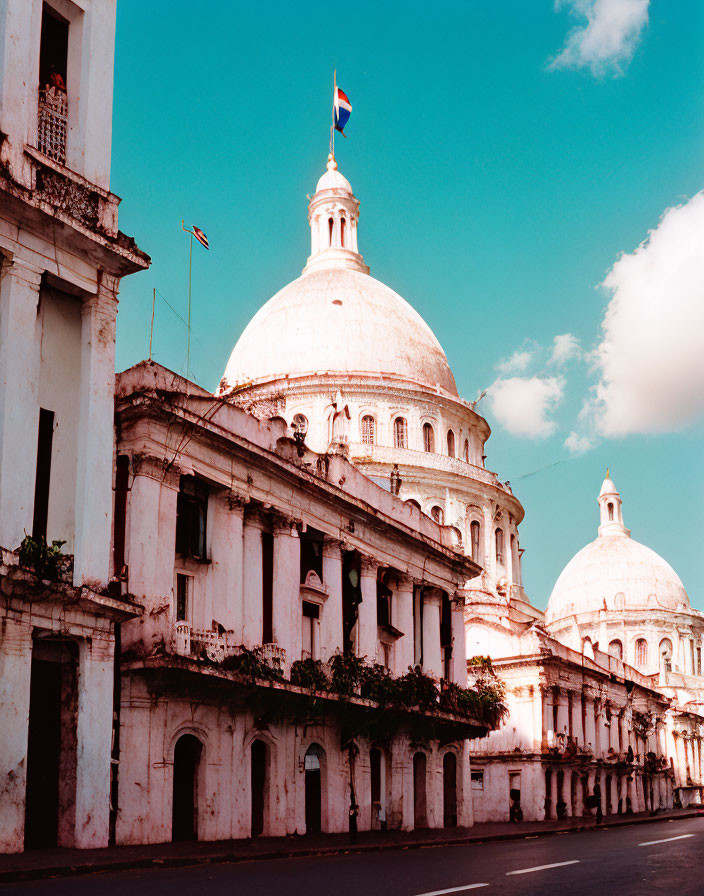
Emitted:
pixel 661 858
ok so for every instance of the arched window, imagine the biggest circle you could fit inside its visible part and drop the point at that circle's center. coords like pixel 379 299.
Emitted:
pixel 465 452
pixel 331 226
pixel 400 433
pixel 588 648
pixel 437 514
pixel 475 531
pixel 450 443
pixel 641 653
pixel 499 535
pixel 616 649
pixel 368 430
pixel 666 654
pixel 428 438
pixel 413 502
pixel 611 511
pixel 299 424
pixel 342 232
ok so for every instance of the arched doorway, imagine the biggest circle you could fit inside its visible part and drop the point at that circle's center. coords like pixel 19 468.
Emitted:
pixel 258 776
pixel 420 799
pixel 184 818
pixel 313 772
pixel 449 789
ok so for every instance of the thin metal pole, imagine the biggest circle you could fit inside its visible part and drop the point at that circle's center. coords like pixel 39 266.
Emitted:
pixel 334 97
pixel 151 328
pixel 188 340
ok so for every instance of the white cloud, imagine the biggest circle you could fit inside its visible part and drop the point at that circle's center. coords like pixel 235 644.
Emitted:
pixel 523 404
pixel 609 37
pixel 651 358
pixel 565 347
pixel 578 444
pixel 517 363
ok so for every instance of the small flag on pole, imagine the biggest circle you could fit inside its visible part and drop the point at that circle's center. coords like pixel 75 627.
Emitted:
pixel 342 109
pixel 201 237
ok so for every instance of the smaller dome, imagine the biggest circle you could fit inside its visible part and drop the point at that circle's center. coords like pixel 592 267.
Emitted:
pixel 332 179
pixel 615 572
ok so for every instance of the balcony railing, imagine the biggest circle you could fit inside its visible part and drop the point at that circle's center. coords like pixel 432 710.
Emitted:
pixel 189 641
pixel 52 125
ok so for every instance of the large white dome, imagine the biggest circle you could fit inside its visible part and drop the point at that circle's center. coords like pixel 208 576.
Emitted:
pixel 341 321
pixel 615 572
pixel 335 318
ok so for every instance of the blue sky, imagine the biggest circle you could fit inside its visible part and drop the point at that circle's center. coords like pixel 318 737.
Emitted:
pixel 497 192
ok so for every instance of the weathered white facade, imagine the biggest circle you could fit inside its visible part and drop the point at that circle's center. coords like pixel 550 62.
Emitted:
pixel 283 536
pixel 62 259
pixel 346 361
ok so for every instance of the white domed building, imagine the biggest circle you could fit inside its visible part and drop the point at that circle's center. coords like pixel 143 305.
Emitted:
pixel 352 367
pixel 618 596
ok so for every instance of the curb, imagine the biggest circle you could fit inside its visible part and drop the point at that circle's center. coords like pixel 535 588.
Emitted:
pixel 233 857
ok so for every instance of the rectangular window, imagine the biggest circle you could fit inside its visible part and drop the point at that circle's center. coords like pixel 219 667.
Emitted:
pixel 311 553
pixel 477 780
pixel 43 477
pixel 52 122
pixel 383 604
pixel 192 518
pixel 122 475
pixel 267 588
pixel 184 588
pixel 311 613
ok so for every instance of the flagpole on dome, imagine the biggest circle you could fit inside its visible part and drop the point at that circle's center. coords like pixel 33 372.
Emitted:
pixel 332 126
pixel 203 240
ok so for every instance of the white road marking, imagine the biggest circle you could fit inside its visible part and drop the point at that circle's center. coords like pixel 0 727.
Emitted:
pixel 454 890
pixel 666 840
pixel 543 867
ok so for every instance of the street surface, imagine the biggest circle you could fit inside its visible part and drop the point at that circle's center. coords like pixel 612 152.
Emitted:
pixel 665 857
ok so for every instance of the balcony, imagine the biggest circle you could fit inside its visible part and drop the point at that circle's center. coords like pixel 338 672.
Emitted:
pixel 216 647
pixel 52 124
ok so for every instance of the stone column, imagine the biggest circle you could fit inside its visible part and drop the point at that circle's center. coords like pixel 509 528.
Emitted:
pixel 548 717
pixel 287 591
pixel 94 738
pixel 613 730
pixel 489 546
pixel 19 399
pixel 252 587
pixel 15 675
pixel 537 715
pixel 432 656
pixel 150 549
pixel 459 641
pixel 366 625
pixel 563 718
pixel 95 435
pixel 402 619
pixel 226 541
pixel 577 730
pixel 614 792
pixel 590 725
pixel 331 622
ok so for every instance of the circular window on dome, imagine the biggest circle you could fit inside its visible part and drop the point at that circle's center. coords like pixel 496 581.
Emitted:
pixel 337 301
pixel 299 424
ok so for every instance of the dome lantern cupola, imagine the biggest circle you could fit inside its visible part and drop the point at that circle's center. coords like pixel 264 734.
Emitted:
pixel 610 510
pixel 333 213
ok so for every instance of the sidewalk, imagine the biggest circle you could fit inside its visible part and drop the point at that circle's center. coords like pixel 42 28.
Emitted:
pixel 65 862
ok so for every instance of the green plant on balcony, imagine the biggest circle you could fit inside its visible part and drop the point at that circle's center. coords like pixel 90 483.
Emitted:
pixel 45 559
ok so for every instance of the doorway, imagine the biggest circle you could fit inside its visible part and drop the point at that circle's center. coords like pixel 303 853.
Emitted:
pixel 449 789
pixel 50 802
pixel 184 821
pixel 258 786
pixel 314 792
pixel 420 799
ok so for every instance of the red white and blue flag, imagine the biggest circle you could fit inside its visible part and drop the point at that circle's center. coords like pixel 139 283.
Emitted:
pixel 342 109
pixel 201 237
